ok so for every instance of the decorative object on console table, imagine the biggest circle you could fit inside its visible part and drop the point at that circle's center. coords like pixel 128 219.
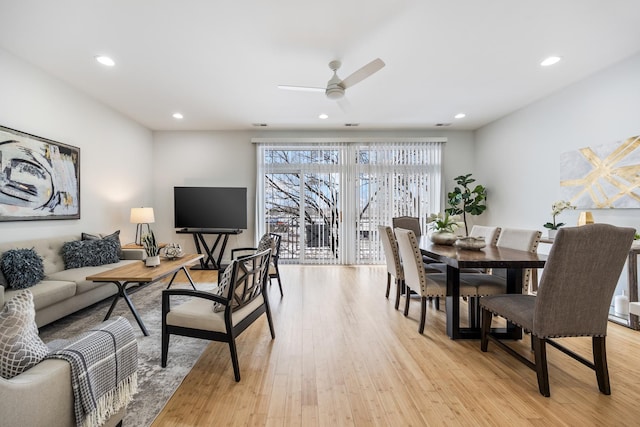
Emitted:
pixel 556 209
pixel 585 218
pixel 141 216
pixel 41 178
pixel 152 249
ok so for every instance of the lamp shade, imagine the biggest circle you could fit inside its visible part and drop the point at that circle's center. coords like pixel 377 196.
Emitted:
pixel 142 216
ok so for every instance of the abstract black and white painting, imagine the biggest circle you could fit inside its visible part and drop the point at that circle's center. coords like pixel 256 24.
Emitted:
pixel 39 178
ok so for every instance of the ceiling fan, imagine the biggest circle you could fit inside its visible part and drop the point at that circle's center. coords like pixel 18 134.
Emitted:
pixel 336 86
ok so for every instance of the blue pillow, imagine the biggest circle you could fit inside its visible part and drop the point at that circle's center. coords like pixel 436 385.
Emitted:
pixel 115 236
pixel 22 268
pixel 89 253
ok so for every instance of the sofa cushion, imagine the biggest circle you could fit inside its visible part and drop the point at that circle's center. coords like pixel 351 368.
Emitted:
pixel 20 346
pixel 82 253
pixel 47 292
pixel 78 275
pixel 22 268
pixel 115 236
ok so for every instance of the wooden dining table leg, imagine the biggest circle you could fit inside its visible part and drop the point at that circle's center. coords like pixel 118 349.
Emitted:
pixel 453 302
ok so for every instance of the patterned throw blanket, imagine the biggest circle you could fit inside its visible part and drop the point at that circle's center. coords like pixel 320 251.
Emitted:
pixel 104 363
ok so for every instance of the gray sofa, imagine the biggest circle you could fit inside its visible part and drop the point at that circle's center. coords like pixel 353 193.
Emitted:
pixel 42 395
pixel 63 292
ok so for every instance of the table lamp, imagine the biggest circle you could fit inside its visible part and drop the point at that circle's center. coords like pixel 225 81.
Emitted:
pixel 141 216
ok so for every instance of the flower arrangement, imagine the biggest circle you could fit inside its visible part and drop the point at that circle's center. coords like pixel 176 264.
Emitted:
pixel 150 245
pixel 446 222
pixel 557 208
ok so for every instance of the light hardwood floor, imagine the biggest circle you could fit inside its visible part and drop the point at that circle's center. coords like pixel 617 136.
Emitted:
pixel 343 356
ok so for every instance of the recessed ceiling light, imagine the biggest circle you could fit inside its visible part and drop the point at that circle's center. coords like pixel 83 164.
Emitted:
pixel 460 116
pixel 178 116
pixel 550 61
pixel 323 116
pixel 105 60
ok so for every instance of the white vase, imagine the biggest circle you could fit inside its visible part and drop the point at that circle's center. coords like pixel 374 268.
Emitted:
pixel 552 234
pixel 152 261
pixel 621 304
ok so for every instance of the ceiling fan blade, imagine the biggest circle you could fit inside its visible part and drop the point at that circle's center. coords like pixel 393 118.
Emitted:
pixel 363 73
pixel 344 105
pixel 302 88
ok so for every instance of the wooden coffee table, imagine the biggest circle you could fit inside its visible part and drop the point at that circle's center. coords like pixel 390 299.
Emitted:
pixel 138 272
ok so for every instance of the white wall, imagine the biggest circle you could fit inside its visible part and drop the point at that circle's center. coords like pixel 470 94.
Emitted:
pixel 219 158
pixel 518 156
pixel 115 152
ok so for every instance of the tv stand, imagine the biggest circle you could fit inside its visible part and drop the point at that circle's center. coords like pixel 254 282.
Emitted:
pixel 210 261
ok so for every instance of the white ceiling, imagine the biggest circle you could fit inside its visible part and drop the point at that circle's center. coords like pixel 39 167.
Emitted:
pixel 219 62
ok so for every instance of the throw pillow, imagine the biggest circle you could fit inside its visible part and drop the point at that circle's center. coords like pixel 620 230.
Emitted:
pixel 224 282
pixel 20 346
pixel 87 253
pixel 3 280
pixel 22 268
pixel 115 236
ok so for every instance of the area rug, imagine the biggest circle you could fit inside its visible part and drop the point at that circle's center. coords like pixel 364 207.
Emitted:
pixel 156 385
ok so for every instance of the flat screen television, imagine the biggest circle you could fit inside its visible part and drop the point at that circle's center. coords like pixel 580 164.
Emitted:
pixel 210 208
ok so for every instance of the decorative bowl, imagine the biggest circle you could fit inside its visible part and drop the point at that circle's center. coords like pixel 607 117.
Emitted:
pixel 470 243
pixel 443 238
pixel 173 250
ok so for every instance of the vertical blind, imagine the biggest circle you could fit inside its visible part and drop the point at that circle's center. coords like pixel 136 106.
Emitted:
pixel 327 197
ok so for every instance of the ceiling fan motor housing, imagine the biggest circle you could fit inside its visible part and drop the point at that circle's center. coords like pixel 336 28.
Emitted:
pixel 334 92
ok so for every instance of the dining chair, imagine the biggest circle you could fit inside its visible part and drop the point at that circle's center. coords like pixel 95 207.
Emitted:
pixel 428 285
pixel 496 282
pixel 239 300
pixel 408 223
pixel 392 257
pixel 411 223
pixel 573 299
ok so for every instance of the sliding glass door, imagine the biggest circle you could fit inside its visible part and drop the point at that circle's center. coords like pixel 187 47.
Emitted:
pixel 327 200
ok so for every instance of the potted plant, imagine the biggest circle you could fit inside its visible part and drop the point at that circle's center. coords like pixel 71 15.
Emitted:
pixel 444 227
pixel 465 200
pixel 557 208
pixel 152 249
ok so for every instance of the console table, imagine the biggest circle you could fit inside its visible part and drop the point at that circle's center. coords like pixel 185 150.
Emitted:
pixel 210 261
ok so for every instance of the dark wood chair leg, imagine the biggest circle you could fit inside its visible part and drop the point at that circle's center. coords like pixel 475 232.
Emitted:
pixel 234 359
pixel 398 292
pixel 423 313
pixel 165 349
pixel 486 328
pixel 600 362
pixel 388 285
pixel 540 354
pixel 279 284
pixel 407 297
pixel 473 318
pixel 437 303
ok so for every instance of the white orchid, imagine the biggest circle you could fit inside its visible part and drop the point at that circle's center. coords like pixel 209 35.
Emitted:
pixel 557 208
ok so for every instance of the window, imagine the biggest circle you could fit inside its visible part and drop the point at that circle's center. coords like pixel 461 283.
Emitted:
pixel 326 198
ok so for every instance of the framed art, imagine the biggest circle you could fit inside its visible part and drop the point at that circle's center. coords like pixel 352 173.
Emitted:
pixel 602 176
pixel 39 178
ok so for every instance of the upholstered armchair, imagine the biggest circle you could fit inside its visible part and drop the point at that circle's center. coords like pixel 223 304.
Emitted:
pixel 240 299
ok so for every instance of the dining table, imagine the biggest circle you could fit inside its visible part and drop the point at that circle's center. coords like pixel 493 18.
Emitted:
pixel 489 257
